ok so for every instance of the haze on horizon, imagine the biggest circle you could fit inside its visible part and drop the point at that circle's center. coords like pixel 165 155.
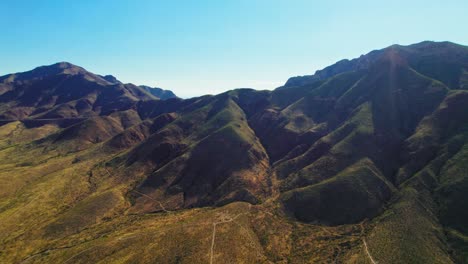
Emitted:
pixel 209 47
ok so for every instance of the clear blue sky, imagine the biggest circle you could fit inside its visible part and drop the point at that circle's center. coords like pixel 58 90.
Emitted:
pixel 206 47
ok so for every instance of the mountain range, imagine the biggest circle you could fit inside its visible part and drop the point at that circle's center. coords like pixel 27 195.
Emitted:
pixel 364 161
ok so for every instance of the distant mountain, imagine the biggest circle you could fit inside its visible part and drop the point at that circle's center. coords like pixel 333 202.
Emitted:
pixel 362 162
pixel 110 78
pixel 158 92
pixel 63 90
pixel 442 60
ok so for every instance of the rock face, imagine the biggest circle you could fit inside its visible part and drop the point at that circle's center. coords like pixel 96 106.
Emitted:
pixel 381 138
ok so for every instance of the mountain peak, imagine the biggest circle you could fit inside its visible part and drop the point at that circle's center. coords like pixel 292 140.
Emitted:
pixel 431 43
pixel 48 70
pixel 158 92
pixel 63 65
pixel 110 78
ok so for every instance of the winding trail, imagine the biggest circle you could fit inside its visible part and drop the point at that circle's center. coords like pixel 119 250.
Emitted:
pixel 226 219
pixel 361 225
pixel 212 243
pixel 151 198
pixel 368 253
pixel 214 232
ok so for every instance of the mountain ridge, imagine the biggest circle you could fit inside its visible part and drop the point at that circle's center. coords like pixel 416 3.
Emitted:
pixel 64 90
pixel 364 61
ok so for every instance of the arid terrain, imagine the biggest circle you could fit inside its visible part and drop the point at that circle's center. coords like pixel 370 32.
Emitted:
pixel 365 161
